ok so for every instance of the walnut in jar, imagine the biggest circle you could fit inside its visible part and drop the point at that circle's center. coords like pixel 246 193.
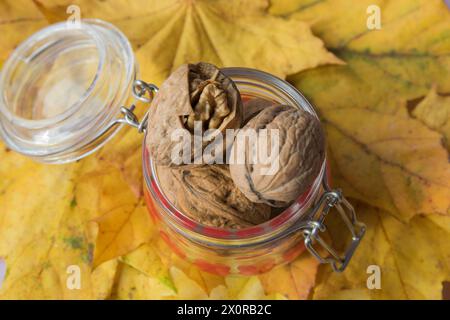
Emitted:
pixel 194 94
pixel 300 156
pixel 254 106
pixel 208 195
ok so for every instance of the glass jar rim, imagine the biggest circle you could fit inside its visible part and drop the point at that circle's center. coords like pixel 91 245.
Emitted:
pixel 40 35
pixel 254 234
pixel 26 135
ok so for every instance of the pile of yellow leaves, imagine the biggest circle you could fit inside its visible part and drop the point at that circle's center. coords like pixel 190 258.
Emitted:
pixel 382 96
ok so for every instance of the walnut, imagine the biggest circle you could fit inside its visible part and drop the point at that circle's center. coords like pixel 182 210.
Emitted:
pixel 193 92
pixel 253 106
pixel 301 155
pixel 208 195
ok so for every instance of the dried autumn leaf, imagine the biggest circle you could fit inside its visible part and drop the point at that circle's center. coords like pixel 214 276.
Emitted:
pixel 124 153
pixel 252 290
pixel 156 261
pixel 389 160
pixel 103 278
pixel 409 53
pixel 121 230
pixel 134 17
pixel 18 20
pixel 45 229
pixel 138 280
pixel 295 280
pixel 434 112
pixel 135 285
pixel 379 154
pixel 146 260
pixel 243 288
pixel 413 257
pixel 42 233
pixel 206 280
pixel 393 161
pixel 171 33
pixel 186 288
pixel 219 293
pixel 403 59
pixel 50 236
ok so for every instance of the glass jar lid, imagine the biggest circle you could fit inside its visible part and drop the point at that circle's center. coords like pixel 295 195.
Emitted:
pixel 63 87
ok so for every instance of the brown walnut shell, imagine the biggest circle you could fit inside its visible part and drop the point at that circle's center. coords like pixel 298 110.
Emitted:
pixel 254 106
pixel 208 195
pixel 194 92
pixel 301 156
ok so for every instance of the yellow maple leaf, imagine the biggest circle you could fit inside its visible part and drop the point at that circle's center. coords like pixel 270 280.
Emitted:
pixel 379 154
pixel 47 228
pixel 135 285
pixel 393 161
pixel 225 33
pixel 91 212
pixel 293 281
pixel 103 278
pixel 413 259
pixel 403 60
pixel 155 260
pixel 146 260
pixel 121 230
pixel 18 20
pixel 434 112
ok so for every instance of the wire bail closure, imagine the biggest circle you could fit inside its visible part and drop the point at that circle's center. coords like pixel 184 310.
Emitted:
pixel 332 198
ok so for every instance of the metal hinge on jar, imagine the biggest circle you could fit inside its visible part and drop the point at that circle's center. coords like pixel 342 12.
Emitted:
pixel 144 92
pixel 332 198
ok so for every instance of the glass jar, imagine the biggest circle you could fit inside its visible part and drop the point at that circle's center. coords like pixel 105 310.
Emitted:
pixel 65 92
pixel 258 248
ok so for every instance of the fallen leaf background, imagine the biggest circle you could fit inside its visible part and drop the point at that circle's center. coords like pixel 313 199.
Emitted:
pixel 383 98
